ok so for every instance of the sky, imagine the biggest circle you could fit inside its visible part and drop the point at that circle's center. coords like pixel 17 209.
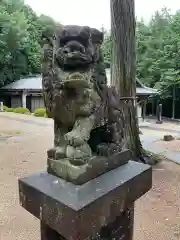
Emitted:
pixel 94 13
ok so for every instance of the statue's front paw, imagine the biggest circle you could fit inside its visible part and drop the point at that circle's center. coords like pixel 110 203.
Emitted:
pixel 60 152
pixel 79 154
pixel 57 153
pixel 74 139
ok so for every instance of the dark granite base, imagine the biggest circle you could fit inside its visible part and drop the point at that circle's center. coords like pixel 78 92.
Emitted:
pixel 48 233
pixel 120 229
pixel 80 212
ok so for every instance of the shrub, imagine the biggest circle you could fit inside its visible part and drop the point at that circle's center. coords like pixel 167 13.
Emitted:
pixel 22 110
pixel 40 112
pixel 5 108
pixel 10 110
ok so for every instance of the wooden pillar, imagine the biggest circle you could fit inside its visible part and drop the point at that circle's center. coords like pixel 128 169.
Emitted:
pixel 24 95
pixel 144 109
pixel 153 107
pixel 1 107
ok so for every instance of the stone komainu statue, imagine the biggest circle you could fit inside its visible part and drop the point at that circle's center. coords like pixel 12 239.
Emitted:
pixel 88 120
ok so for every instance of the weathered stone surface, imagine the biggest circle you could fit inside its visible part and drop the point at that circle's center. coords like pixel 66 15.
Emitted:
pixel 168 138
pixel 79 174
pixel 88 116
pixel 78 212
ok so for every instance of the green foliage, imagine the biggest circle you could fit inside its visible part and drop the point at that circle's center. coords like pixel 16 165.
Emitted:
pixel 17 110
pixel 22 110
pixel 106 47
pixel 5 108
pixel 158 52
pixel 157 44
pixel 20 33
pixel 40 112
pixel 9 110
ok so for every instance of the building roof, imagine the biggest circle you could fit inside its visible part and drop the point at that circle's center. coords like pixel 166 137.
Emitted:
pixel 141 89
pixel 145 91
pixel 35 83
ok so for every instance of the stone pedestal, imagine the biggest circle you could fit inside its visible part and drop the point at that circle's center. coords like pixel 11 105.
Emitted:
pixel 102 208
pixel 159 114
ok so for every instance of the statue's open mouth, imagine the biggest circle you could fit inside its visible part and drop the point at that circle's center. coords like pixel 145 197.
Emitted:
pixel 75 59
pixel 73 84
pixel 76 80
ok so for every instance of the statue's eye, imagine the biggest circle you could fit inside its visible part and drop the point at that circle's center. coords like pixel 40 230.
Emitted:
pixel 79 39
pixel 63 42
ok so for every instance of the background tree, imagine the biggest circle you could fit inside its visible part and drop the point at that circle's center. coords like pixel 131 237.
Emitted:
pixel 157 49
pixel 158 57
pixel 107 47
pixel 13 32
pixel 20 33
pixel 124 67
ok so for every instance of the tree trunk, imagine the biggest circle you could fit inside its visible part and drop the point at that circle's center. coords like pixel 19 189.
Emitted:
pixel 123 68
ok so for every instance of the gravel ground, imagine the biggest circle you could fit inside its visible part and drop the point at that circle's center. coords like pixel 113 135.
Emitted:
pixel 157 214
pixel 173 145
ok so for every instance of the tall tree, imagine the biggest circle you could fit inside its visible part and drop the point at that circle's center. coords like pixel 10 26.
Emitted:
pixel 158 57
pixel 20 34
pixel 124 67
pixel 13 31
pixel 106 47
